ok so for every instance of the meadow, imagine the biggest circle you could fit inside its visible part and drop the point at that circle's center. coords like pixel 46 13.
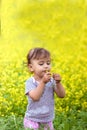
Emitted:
pixel 60 27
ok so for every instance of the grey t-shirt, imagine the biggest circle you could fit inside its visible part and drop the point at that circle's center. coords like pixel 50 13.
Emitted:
pixel 42 110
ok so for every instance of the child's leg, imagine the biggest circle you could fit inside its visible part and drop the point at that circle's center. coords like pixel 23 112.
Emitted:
pixel 30 125
pixel 49 126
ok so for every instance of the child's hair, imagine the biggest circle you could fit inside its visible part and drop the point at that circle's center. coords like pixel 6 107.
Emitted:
pixel 37 53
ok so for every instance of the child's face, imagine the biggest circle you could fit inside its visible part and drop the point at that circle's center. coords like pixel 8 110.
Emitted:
pixel 40 67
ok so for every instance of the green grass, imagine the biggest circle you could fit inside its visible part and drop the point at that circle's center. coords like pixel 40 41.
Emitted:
pixel 63 121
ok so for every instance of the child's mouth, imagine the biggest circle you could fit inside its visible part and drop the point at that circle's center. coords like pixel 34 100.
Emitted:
pixel 45 71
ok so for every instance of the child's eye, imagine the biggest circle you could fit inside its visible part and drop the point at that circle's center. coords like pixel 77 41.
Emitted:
pixel 41 64
pixel 48 63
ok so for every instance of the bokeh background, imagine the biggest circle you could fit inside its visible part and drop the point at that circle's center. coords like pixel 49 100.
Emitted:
pixel 61 27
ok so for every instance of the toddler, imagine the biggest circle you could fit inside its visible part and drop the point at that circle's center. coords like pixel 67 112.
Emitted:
pixel 40 90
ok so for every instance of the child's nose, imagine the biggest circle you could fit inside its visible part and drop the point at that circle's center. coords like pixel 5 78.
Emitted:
pixel 45 65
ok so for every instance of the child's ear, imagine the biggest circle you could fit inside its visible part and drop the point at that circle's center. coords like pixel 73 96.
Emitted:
pixel 30 67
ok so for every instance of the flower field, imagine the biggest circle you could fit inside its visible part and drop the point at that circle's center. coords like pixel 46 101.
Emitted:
pixel 62 29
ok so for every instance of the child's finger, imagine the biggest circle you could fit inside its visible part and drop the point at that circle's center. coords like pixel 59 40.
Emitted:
pixel 48 73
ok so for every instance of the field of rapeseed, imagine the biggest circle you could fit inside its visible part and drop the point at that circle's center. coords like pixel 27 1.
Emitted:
pixel 60 27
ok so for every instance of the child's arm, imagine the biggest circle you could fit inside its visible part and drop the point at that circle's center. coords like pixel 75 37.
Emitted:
pixel 59 89
pixel 36 93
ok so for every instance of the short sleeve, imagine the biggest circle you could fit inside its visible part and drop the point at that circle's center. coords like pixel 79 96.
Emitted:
pixel 29 85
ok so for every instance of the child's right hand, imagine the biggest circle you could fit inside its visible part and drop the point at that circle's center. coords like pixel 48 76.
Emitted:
pixel 46 78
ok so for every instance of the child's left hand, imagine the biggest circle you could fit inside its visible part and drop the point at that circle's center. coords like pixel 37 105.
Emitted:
pixel 57 78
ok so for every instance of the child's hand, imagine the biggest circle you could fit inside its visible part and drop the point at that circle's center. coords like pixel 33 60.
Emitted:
pixel 46 78
pixel 57 78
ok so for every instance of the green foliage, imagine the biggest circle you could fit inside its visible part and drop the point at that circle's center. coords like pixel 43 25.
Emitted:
pixel 11 123
pixel 73 121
